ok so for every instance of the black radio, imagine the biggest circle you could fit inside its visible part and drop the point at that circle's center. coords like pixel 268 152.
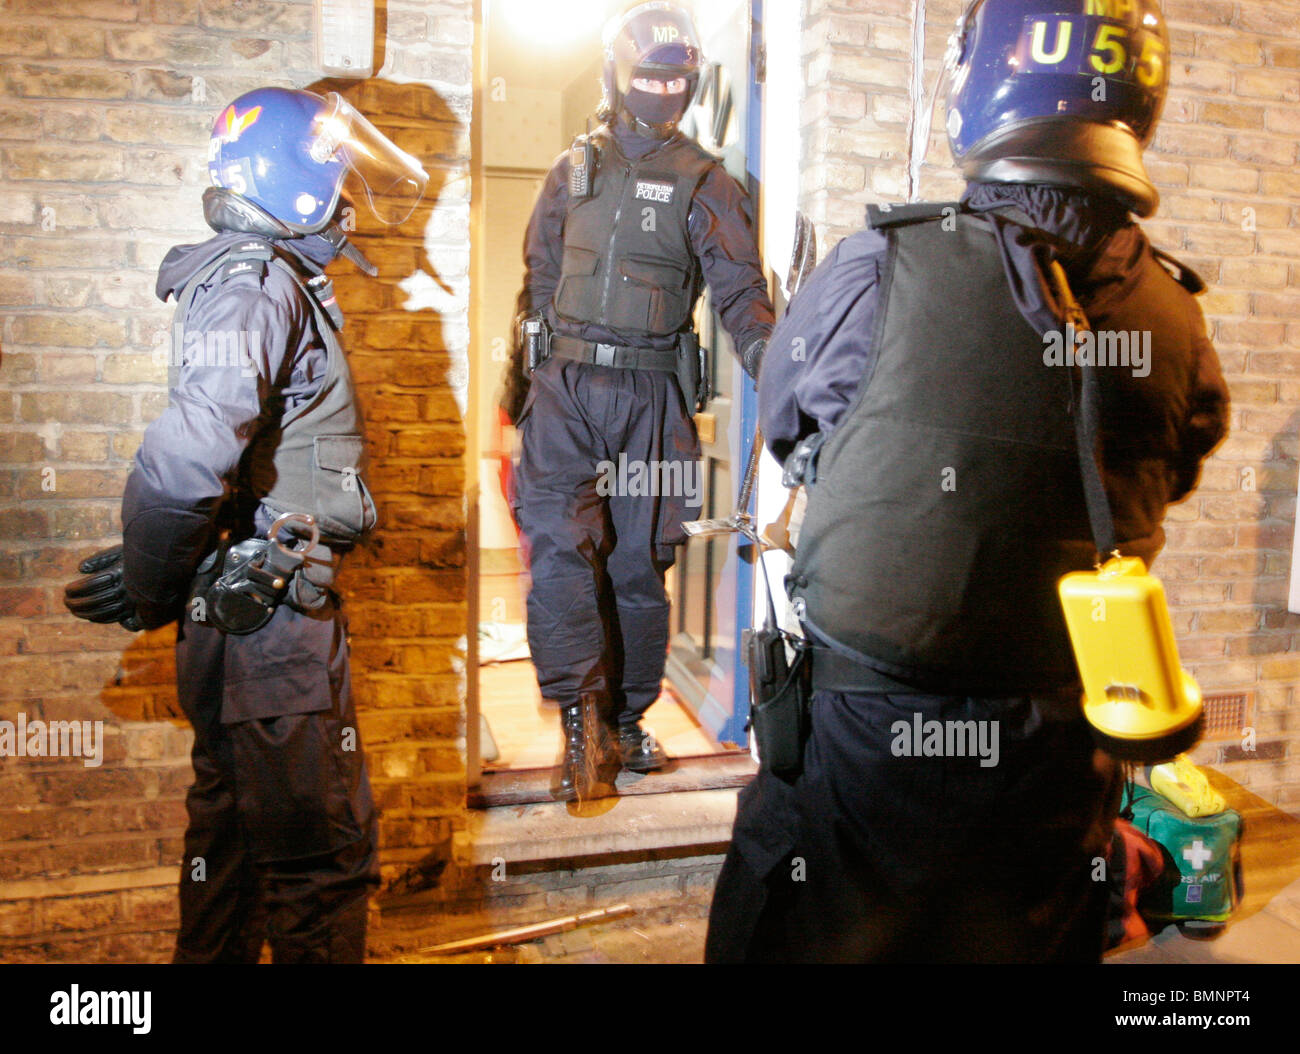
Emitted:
pixel 582 162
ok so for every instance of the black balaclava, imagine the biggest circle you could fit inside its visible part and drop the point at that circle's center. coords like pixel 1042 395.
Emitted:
pixel 657 113
pixel 654 109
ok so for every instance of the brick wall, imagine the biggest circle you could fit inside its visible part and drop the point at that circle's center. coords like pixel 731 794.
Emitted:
pixel 1225 160
pixel 105 107
pixel 104 112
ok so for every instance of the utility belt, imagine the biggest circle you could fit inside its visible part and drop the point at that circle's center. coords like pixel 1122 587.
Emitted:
pixel 239 585
pixel 687 362
pixel 833 672
pixel 616 355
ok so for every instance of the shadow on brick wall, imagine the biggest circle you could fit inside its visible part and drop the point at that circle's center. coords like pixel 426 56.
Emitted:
pixel 405 588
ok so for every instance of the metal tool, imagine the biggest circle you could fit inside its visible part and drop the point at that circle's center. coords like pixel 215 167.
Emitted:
pixel 803 258
pixel 740 520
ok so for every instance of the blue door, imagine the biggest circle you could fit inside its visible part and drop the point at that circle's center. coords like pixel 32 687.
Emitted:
pixel 713 583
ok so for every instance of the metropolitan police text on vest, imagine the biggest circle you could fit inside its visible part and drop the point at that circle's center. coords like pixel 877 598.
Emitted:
pixel 649 190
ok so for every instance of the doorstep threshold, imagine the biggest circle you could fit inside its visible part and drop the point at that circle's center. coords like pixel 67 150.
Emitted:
pixel 717 771
pixel 605 827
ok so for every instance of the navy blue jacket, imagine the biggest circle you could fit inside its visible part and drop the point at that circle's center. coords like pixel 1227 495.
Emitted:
pixel 190 456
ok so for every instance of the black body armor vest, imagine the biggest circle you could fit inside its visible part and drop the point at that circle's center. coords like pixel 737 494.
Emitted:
pixel 948 502
pixel 312 460
pixel 628 263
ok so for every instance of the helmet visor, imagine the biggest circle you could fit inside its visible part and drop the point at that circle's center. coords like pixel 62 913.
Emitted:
pixel 654 38
pixel 392 181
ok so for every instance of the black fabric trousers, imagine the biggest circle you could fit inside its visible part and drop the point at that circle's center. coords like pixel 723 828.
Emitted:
pixel 282 838
pixel 608 469
pixel 876 854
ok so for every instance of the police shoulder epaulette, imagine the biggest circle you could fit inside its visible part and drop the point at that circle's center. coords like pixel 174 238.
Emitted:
pixel 249 257
pixel 1180 272
pixel 881 217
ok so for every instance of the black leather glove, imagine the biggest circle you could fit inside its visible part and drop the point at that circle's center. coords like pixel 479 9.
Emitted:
pixel 751 358
pixel 100 596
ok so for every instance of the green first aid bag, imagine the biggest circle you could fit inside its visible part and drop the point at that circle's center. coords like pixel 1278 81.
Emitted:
pixel 1202 875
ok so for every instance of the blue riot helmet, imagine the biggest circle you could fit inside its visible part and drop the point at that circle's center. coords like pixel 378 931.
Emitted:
pixel 289 153
pixel 1064 92
pixel 657 43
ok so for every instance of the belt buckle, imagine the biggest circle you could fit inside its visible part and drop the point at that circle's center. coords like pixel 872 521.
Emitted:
pixel 605 354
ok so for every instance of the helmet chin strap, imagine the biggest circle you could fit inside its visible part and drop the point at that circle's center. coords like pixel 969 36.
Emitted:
pixel 224 210
pixel 335 236
pixel 650 131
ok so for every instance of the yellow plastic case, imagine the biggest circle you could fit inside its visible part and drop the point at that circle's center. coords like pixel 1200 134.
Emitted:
pixel 1187 787
pixel 1141 703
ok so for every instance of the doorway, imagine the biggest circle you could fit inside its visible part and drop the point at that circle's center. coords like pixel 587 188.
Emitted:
pixel 540 67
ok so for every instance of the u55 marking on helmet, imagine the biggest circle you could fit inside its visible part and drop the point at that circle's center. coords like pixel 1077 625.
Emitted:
pixel 1064 92
pixel 290 153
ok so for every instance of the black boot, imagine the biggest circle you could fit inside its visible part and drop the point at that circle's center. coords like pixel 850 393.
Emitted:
pixel 589 764
pixel 639 750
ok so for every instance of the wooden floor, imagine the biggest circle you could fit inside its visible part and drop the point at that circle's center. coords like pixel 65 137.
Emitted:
pixel 527 734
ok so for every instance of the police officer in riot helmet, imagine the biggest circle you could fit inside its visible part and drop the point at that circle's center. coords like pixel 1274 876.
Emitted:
pixel 651 71
pixel 244 496
pixel 945 494
pixel 632 221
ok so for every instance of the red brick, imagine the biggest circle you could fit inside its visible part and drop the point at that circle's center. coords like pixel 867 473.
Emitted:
pixel 1285 55
pixel 89 164
pixel 21 447
pixel 25 40
pixel 74 122
pixel 158 124
pixel 19 122
pixel 52 82
pixel 62 252
pixel 1264 149
pixel 1232 114
pixel 150 905
pixel 86 912
pixel 106 10
pixel 22 603
pixel 1267 84
pixel 1281 184
pixel 78 42
pixel 265 16
pixel 1268 19
pixel 1222 177
pixel 167 85
pixel 67 407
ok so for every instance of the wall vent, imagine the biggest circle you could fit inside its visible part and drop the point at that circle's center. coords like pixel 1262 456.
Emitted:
pixel 1226 714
